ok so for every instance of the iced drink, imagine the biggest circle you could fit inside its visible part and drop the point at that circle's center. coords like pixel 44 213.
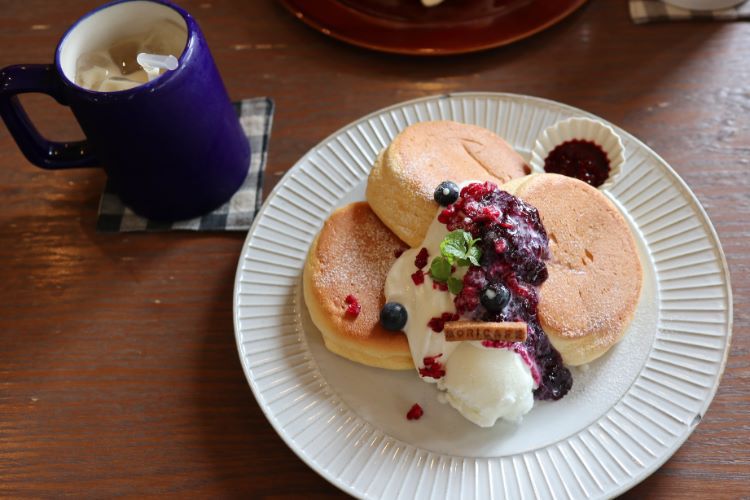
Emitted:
pixel 114 67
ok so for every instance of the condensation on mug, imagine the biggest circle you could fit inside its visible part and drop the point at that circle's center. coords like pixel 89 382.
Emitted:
pixel 113 67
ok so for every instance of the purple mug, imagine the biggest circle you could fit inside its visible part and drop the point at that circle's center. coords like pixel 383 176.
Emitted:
pixel 172 148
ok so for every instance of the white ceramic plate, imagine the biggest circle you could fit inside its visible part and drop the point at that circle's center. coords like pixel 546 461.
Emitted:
pixel 625 416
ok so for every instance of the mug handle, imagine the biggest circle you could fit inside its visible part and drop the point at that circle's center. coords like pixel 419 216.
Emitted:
pixel 40 78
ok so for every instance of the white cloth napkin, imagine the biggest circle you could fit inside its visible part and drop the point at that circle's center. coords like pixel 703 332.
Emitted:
pixel 649 11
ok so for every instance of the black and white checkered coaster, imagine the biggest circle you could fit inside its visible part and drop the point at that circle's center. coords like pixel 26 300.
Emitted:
pixel 256 117
pixel 650 11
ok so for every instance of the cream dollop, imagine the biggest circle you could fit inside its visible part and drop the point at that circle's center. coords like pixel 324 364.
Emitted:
pixel 422 302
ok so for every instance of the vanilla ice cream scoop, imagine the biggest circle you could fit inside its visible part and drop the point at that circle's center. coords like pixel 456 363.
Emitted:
pixel 487 384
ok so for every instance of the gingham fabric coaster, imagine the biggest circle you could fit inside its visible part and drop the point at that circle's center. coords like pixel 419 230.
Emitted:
pixel 256 117
pixel 650 11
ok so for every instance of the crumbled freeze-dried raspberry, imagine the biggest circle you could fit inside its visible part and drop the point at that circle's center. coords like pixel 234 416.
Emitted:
pixel 415 412
pixel 440 285
pixel 418 277
pixel 421 259
pixel 438 324
pixel 353 308
pixel 432 367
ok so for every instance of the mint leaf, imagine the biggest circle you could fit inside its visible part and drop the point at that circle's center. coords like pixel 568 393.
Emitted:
pixel 452 249
pixel 474 254
pixel 454 245
pixel 440 269
pixel 458 247
pixel 452 254
pixel 456 237
pixel 455 285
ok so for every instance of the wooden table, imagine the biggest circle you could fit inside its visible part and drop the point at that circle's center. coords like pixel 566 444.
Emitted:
pixel 118 367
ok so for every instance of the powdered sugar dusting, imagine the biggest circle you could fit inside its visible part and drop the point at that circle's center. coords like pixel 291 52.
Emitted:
pixel 374 252
pixel 593 252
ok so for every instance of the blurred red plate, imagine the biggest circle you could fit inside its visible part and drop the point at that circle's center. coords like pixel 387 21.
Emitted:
pixel 453 27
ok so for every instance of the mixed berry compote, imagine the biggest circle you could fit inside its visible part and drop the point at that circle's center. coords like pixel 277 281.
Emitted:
pixel 514 247
pixel 584 160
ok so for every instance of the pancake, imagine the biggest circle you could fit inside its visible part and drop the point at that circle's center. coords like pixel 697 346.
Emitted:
pixel 595 274
pixel 403 180
pixel 351 256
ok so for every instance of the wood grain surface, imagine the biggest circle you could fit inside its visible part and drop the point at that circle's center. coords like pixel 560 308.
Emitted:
pixel 119 373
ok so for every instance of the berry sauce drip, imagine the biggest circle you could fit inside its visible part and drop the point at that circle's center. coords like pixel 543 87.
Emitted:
pixel 514 247
pixel 581 159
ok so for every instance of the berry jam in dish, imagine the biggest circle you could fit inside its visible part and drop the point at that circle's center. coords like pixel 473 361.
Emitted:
pixel 514 247
pixel 584 160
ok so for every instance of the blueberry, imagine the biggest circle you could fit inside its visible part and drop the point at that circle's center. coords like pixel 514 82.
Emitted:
pixel 393 316
pixel 446 193
pixel 536 272
pixel 495 297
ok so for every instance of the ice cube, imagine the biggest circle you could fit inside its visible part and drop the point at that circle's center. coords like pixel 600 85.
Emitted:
pixel 92 68
pixel 116 67
pixel 91 78
pixel 116 83
pixel 140 76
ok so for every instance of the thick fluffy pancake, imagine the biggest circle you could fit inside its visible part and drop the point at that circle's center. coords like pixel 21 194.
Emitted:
pixel 402 182
pixel 351 256
pixel 595 273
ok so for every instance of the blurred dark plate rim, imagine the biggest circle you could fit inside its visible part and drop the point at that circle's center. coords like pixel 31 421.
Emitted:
pixel 312 12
